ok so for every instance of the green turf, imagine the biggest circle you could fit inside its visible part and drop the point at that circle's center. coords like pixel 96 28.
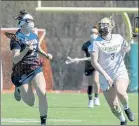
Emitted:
pixel 64 109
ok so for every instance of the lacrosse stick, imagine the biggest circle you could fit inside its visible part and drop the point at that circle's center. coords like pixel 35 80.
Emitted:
pixel 76 60
pixel 136 27
pixel 13 37
pixel 70 60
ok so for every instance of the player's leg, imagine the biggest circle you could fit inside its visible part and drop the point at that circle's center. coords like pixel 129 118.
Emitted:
pixel 114 105
pixel 27 95
pixel 90 91
pixel 121 85
pixel 96 88
pixel 40 86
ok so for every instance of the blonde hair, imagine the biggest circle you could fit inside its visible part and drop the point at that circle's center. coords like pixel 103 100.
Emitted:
pixel 108 20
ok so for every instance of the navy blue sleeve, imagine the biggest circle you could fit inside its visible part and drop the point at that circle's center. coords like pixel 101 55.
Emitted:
pixel 14 45
pixel 84 47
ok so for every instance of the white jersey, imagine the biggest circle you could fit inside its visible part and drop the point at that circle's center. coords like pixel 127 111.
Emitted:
pixel 110 55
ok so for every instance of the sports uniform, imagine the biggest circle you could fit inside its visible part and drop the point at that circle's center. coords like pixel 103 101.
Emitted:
pixel 30 65
pixel 89 69
pixel 108 52
pixel 111 58
pixel 27 66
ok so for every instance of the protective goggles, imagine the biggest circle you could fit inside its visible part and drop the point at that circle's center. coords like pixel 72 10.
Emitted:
pixel 103 25
pixel 28 20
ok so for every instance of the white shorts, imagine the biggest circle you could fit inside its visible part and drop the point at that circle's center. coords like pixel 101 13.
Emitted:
pixel 103 82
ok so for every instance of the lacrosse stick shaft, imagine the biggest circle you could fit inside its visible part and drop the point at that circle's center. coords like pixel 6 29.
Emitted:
pixel 12 36
pixel 70 60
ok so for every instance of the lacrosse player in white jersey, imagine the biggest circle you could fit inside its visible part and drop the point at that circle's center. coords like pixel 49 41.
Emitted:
pixel 107 57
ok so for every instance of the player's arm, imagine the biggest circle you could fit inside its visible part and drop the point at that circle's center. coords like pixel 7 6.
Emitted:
pixel 96 65
pixel 17 56
pixel 94 60
pixel 84 49
pixel 125 46
pixel 44 54
pixel 40 51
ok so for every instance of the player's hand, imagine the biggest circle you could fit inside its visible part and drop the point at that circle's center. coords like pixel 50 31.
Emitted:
pixel 109 80
pixel 30 46
pixel 49 56
pixel 125 49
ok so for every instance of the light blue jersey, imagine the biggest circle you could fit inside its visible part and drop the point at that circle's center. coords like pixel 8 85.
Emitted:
pixel 31 60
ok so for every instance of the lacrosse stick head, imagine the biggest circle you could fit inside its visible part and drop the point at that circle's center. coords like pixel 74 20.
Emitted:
pixel 68 60
pixel 71 60
pixel 11 36
pixel 136 27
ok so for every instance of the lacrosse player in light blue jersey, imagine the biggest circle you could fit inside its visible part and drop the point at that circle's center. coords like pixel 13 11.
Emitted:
pixel 27 66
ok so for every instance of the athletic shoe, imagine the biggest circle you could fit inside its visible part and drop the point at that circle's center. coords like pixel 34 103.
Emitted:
pixel 130 114
pixel 90 104
pixel 124 123
pixel 97 102
pixel 17 94
pixel 43 124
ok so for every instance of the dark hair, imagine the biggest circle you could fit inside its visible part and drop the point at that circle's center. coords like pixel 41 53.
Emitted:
pixel 21 14
pixel 96 26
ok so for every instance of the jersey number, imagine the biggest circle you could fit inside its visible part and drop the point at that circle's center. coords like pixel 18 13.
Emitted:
pixel 112 56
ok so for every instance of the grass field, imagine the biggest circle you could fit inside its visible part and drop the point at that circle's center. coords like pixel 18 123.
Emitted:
pixel 64 109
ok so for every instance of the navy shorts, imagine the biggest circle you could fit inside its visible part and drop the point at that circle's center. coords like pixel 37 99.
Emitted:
pixel 89 71
pixel 19 80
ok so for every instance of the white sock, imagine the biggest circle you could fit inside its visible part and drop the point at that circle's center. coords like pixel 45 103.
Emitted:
pixel 122 117
pixel 125 107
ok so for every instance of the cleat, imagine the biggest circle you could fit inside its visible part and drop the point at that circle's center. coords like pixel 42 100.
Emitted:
pixel 17 94
pixel 130 114
pixel 43 124
pixel 124 123
pixel 97 102
pixel 90 104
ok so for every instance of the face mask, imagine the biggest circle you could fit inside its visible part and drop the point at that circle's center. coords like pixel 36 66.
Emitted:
pixel 30 26
pixel 93 37
pixel 104 29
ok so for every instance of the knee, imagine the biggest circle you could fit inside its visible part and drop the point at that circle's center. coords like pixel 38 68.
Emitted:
pixel 41 94
pixel 122 94
pixel 29 101
pixel 96 82
pixel 31 104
